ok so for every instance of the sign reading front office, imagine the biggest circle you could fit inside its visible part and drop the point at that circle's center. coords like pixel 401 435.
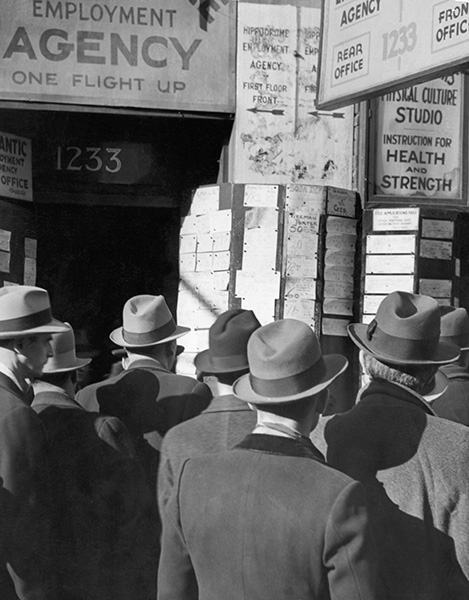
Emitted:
pixel 373 46
pixel 160 54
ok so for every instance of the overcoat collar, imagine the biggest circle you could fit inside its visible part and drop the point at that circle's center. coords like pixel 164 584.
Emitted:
pixel 147 363
pixel 455 371
pixel 282 446
pixel 398 392
pixel 55 398
pixel 11 386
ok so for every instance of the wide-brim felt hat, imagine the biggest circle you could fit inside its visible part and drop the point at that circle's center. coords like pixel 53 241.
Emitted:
pixel 26 310
pixel 405 331
pixel 455 326
pixel 286 364
pixel 146 321
pixel 228 339
pixel 63 357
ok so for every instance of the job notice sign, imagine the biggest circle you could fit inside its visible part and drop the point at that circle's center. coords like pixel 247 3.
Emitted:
pixel 373 46
pixel 163 54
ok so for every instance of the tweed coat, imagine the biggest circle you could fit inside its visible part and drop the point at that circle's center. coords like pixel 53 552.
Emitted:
pixel 224 423
pixel 267 519
pixel 454 403
pixel 103 516
pixel 149 400
pixel 392 436
pixel 25 543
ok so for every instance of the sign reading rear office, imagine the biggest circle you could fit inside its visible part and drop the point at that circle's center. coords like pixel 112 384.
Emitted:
pixel 169 54
pixel 374 46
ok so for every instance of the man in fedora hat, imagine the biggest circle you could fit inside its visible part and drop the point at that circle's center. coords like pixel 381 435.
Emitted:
pixel 268 518
pixel 227 420
pixel 26 326
pixel 453 404
pixel 104 522
pixel 148 397
pixel 392 438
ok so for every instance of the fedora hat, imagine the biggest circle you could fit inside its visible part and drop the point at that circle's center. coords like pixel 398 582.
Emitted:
pixel 63 353
pixel 146 321
pixel 26 310
pixel 228 339
pixel 455 326
pixel 405 331
pixel 286 364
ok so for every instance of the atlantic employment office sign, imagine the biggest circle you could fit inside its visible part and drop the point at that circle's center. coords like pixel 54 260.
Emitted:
pixel 168 54
pixel 373 46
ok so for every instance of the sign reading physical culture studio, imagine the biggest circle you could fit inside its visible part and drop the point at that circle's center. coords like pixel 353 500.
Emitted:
pixel 372 46
pixel 163 54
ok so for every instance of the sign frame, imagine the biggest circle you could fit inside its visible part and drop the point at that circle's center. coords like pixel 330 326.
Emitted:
pixel 328 100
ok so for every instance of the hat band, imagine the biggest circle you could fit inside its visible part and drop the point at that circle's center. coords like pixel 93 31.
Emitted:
pixel 43 317
pixel 149 337
pixel 289 386
pixel 222 362
pixel 400 348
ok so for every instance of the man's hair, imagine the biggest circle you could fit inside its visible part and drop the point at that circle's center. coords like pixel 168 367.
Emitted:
pixel 296 409
pixel 418 378
pixel 151 351
pixel 59 379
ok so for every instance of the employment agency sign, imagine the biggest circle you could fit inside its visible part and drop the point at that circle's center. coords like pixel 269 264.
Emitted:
pixel 373 46
pixel 163 54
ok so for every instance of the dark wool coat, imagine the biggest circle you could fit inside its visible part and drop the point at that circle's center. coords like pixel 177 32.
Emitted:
pixel 103 515
pixel 454 403
pixel 392 440
pixel 267 519
pixel 149 400
pixel 25 544
pixel 225 422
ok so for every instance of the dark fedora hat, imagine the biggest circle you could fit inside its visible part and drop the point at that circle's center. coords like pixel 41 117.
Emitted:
pixel 455 326
pixel 146 321
pixel 286 364
pixel 405 331
pixel 228 339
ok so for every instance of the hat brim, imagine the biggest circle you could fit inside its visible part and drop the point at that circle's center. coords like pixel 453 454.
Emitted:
pixel 204 363
pixel 80 362
pixel 446 352
pixel 54 326
pixel 335 365
pixel 117 337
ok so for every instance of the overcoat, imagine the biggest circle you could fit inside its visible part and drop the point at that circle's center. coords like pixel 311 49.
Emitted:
pixel 224 423
pixel 453 404
pixel 267 519
pixel 25 543
pixel 149 399
pixel 392 435
pixel 103 516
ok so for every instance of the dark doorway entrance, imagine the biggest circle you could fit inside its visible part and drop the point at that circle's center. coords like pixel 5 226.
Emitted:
pixel 92 259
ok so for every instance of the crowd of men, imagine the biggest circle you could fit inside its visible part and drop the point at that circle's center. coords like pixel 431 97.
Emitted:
pixel 232 484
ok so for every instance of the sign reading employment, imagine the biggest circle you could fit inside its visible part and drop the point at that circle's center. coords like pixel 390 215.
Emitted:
pixel 371 46
pixel 170 54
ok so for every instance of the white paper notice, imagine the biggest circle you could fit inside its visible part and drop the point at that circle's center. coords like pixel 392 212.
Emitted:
pixel 264 284
pixel 204 261
pixel 221 261
pixel 338 289
pixel 30 271
pixel 299 308
pixel 220 220
pixel 267 218
pixel 205 200
pixel 204 243
pixel 340 225
pixel 301 197
pixel 260 249
pixel 4 261
pixel 335 327
pixel 187 262
pixel 437 288
pixel 300 288
pixel 335 273
pixel 385 284
pixel 396 219
pixel 339 258
pixel 397 263
pixel 390 244
pixel 338 306
pixel 341 202
pixel 263 308
pixel 5 237
pixel 187 243
pixel 261 195
pixel 302 266
pixel 436 249
pixel 371 304
pixel 221 241
pixel 30 248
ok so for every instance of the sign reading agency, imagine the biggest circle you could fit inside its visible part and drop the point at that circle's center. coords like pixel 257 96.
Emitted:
pixel 165 54
pixel 15 167
pixel 372 46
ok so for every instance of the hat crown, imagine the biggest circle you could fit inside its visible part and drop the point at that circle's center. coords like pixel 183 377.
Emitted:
pixel 455 325
pixel 230 333
pixel 283 349
pixel 17 301
pixel 145 313
pixel 409 316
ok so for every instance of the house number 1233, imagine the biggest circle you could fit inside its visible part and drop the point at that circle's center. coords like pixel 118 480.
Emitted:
pixel 74 158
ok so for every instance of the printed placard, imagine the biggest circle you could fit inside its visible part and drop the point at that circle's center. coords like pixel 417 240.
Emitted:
pixel 390 244
pixel 385 284
pixel 396 219
pixel 397 263
pixel 437 228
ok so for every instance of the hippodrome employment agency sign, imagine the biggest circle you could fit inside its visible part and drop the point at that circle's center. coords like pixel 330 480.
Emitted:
pixel 373 46
pixel 163 54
